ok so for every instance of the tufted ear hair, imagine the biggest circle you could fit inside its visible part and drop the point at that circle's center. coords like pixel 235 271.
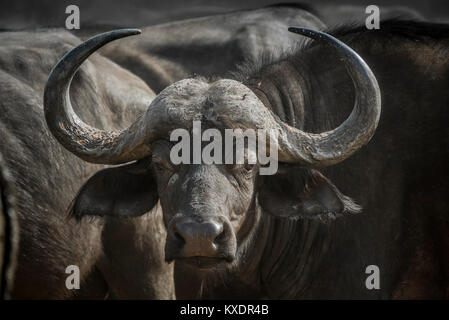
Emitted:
pixel 125 191
pixel 303 193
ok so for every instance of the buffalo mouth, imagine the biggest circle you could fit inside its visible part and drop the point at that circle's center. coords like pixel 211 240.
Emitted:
pixel 203 262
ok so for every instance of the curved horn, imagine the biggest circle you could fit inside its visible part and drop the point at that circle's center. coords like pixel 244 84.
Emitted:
pixel 88 143
pixel 333 146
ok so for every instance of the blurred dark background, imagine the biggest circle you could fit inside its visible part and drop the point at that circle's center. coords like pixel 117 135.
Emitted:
pixel 27 14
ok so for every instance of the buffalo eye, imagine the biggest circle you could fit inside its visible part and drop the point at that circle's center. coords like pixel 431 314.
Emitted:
pixel 162 165
pixel 245 168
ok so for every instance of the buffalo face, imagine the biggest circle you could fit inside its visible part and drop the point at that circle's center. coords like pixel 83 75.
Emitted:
pixel 204 207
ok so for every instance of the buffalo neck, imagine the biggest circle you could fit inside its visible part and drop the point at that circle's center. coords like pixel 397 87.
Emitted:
pixel 283 256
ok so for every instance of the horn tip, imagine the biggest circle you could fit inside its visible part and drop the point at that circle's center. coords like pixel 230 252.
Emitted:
pixel 131 31
pixel 120 33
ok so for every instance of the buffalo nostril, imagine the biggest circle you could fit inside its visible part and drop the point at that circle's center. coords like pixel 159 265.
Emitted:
pixel 221 236
pixel 179 237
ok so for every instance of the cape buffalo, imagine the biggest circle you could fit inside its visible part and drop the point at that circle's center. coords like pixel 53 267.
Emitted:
pixel 264 236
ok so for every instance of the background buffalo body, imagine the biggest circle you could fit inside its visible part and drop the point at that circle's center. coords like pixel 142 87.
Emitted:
pixel 8 232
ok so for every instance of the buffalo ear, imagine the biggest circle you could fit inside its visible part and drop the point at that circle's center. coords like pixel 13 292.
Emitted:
pixel 125 191
pixel 302 193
